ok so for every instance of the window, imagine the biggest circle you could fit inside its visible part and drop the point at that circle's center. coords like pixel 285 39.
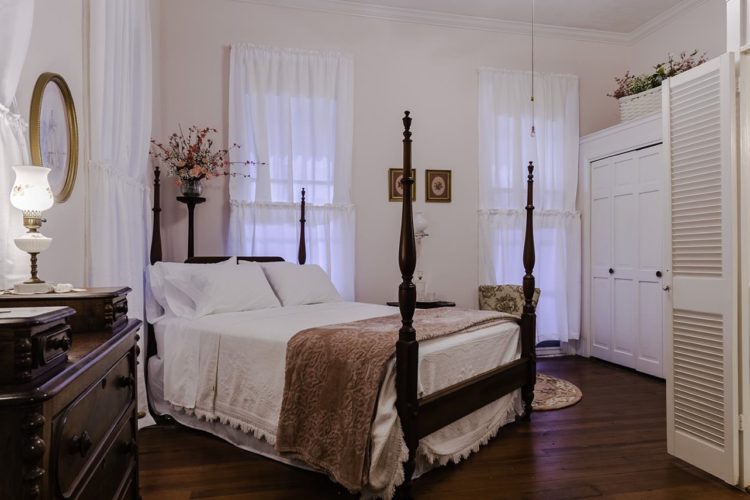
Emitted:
pixel 291 113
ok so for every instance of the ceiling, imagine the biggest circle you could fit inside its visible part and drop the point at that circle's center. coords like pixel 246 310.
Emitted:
pixel 617 16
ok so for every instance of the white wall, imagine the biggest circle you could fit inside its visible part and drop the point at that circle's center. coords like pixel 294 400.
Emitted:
pixel 428 70
pixel 57 46
pixel 702 27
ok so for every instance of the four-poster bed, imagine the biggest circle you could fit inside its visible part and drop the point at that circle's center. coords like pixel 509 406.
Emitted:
pixel 421 415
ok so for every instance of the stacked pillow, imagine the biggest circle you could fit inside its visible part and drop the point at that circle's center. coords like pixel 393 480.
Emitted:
pixel 297 285
pixel 197 290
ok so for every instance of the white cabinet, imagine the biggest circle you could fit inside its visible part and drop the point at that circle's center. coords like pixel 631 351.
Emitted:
pixel 627 238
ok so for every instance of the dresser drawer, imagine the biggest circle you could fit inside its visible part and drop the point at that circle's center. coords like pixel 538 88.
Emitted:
pixel 82 428
pixel 47 347
pixel 113 474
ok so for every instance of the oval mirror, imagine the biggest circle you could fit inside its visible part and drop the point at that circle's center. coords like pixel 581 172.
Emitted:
pixel 53 133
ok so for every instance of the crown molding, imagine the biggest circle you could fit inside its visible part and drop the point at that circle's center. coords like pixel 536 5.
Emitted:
pixel 654 24
pixel 458 21
pixel 445 20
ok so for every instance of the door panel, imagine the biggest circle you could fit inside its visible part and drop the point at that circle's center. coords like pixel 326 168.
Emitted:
pixel 650 311
pixel 649 358
pixel 625 221
pixel 601 259
pixel 702 388
pixel 601 302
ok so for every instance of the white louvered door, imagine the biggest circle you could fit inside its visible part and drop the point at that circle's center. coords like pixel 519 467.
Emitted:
pixel 702 379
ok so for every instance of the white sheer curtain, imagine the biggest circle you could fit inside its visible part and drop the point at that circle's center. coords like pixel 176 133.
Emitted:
pixel 120 81
pixel 291 112
pixel 505 149
pixel 17 17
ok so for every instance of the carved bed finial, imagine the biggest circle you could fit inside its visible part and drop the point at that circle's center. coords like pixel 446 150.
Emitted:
pixel 302 251
pixel 156 255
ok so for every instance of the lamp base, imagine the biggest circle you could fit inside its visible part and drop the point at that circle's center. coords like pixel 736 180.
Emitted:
pixel 30 288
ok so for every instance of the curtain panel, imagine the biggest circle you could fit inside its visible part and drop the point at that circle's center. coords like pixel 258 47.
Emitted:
pixel 506 146
pixel 119 199
pixel 17 16
pixel 291 112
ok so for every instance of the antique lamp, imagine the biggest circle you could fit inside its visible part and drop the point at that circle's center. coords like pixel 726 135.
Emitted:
pixel 420 228
pixel 31 193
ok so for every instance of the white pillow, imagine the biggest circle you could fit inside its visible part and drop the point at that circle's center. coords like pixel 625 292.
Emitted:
pixel 219 289
pixel 298 285
pixel 158 307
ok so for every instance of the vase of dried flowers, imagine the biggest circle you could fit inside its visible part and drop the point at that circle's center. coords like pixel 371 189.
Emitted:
pixel 191 187
pixel 640 95
pixel 192 158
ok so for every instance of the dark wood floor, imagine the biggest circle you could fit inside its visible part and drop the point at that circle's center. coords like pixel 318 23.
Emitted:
pixel 612 444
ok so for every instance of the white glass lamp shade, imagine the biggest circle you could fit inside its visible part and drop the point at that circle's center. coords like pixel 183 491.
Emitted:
pixel 420 223
pixel 31 192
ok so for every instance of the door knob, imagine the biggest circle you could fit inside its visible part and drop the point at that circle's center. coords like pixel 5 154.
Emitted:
pixel 666 288
pixel 611 271
pixel 658 274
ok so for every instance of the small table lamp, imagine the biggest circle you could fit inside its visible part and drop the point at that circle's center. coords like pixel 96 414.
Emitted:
pixel 32 194
pixel 420 228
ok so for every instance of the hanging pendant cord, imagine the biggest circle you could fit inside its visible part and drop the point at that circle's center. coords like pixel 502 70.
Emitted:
pixel 533 128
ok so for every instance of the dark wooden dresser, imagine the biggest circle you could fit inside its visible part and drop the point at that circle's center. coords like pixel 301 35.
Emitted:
pixel 68 415
pixel 103 308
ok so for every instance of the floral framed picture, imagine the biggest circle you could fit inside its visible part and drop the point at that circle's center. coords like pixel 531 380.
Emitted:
pixel 437 186
pixel 395 189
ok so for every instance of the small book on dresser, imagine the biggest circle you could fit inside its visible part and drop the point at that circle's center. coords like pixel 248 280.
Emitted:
pixel 68 410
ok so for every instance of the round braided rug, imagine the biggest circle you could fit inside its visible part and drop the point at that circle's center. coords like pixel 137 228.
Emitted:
pixel 552 393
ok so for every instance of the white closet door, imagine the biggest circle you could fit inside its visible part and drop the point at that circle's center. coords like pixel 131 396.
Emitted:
pixel 601 258
pixel 625 260
pixel 650 227
pixel 702 391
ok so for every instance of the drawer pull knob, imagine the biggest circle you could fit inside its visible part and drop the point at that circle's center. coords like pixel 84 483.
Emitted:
pixel 62 343
pixel 80 444
pixel 125 381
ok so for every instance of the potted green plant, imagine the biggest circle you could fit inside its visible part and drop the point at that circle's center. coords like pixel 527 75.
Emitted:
pixel 639 95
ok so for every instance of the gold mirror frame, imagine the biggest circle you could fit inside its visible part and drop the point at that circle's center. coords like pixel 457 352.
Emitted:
pixel 71 122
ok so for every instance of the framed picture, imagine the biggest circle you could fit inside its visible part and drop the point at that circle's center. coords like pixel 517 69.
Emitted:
pixel 437 186
pixel 395 189
pixel 53 133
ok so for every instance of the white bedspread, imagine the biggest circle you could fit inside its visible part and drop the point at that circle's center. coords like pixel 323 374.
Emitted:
pixel 230 367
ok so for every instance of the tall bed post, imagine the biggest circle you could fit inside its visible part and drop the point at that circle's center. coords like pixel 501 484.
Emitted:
pixel 156 229
pixel 528 317
pixel 407 347
pixel 155 256
pixel 302 252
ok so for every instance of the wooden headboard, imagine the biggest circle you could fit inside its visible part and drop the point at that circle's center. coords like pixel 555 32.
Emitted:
pixel 156 250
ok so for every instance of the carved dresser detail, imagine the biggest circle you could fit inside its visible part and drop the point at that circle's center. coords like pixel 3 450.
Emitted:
pixel 97 308
pixel 68 415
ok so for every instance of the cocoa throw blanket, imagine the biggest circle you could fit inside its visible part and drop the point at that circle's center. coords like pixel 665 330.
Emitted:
pixel 333 376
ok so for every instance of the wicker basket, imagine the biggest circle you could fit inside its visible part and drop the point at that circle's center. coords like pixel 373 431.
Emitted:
pixel 637 105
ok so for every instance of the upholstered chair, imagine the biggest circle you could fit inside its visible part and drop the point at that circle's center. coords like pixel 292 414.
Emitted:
pixel 504 298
